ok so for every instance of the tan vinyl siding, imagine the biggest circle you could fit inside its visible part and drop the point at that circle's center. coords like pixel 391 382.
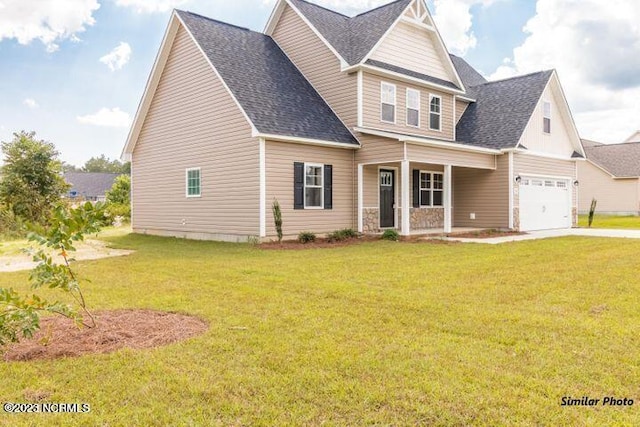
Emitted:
pixel 371 108
pixel 461 107
pixel 524 164
pixel 318 64
pixel 559 141
pixel 613 195
pixel 194 123
pixel 421 153
pixel 415 49
pixel 376 149
pixel 280 157
pixel 483 192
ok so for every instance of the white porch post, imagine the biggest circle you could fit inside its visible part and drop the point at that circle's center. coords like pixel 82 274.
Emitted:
pixel 447 199
pixel 360 197
pixel 404 191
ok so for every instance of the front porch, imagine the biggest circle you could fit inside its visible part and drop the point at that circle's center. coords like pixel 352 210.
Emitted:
pixel 419 198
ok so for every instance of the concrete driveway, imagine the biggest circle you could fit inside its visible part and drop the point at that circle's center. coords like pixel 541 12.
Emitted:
pixel 545 234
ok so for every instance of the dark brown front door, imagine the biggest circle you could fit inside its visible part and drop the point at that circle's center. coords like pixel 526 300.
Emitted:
pixel 387 198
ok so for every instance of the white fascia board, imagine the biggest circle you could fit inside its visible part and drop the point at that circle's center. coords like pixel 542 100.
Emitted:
pixel 545 155
pixel 276 13
pixel 402 77
pixel 343 63
pixel 465 98
pixel 306 141
pixel 427 141
pixel 224 84
pixel 151 86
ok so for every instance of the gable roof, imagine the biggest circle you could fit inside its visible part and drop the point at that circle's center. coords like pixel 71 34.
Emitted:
pixel 620 160
pixel 353 38
pixel 90 184
pixel 502 111
pixel 273 93
pixel 470 76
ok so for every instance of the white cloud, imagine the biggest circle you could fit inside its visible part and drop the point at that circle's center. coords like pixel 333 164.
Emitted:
pixel 454 21
pixel 118 57
pixel 150 6
pixel 595 46
pixel 113 117
pixel 31 103
pixel 49 21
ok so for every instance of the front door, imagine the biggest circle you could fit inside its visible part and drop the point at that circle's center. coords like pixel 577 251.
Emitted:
pixel 387 198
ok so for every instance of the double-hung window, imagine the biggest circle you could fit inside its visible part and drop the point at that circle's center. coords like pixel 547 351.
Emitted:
pixel 413 108
pixel 193 182
pixel 313 186
pixel 388 102
pixel 546 120
pixel 435 111
pixel 431 188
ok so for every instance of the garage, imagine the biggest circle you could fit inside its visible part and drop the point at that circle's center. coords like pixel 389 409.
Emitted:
pixel 545 203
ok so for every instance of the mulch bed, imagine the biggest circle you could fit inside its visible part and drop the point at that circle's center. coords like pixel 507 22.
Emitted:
pixel 115 329
pixel 318 243
pixel 486 234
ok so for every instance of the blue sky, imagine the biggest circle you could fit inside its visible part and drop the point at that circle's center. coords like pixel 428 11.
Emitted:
pixel 53 81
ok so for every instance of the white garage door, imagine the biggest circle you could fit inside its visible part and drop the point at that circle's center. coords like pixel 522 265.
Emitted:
pixel 545 203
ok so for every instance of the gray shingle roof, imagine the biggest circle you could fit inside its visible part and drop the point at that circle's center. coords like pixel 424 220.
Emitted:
pixel 90 184
pixel 502 110
pixel 470 76
pixel 272 91
pixel 352 38
pixel 410 73
pixel 620 160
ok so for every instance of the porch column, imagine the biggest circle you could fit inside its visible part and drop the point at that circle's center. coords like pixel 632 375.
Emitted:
pixel 360 197
pixel 405 228
pixel 447 199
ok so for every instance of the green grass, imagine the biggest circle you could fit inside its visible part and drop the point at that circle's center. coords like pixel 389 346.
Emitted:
pixel 610 221
pixel 380 333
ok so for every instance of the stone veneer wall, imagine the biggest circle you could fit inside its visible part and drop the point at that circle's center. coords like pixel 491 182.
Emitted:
pixel 426 218
pixel 420 219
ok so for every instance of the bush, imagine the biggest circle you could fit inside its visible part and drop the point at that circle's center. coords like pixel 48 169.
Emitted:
pixel 390 235
pixel 306 237
pixel 118 210
pixel 11 225
pixel 344 234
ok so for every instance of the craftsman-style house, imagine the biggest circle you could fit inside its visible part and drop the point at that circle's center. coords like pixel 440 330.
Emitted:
pixel 363 122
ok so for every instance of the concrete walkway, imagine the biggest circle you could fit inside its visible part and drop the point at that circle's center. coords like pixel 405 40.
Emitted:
pixel 545 234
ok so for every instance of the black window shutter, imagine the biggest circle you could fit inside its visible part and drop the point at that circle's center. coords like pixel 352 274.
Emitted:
pixel 416 188
pixel 298 185
pixel 328 187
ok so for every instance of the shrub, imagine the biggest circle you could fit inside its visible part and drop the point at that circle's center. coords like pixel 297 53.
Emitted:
pixel 277 218
pixel 592 211
pixel 118 210
pixel 11 225
pixel 306 237
pixel 344 234
pixel 390 235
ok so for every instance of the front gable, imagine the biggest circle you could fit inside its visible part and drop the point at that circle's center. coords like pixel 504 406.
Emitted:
pixel 414 43
pixel 563 139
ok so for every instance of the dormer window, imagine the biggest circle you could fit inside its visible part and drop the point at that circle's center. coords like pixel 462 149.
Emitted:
pixel 413 108
pixel 388 102
pixel 435 105
pixel 546 120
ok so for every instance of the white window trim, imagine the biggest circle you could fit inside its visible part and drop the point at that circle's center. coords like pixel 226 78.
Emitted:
pixel 186 176
pixel 304 177
pixel 431 96
pixel 430 190
pixel 419 109
pixel 544 116
pixel 395 102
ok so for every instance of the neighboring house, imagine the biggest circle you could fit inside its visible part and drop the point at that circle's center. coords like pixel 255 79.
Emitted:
pixel 611 175
pixel 364 122
pixel 90 186
pixel 635 137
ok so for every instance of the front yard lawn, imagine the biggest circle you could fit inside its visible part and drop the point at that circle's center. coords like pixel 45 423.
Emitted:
pixel 610 221
pixel 379 333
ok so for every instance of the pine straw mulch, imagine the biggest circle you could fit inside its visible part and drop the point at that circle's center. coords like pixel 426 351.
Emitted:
pixel 486 234
pixel 115 329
